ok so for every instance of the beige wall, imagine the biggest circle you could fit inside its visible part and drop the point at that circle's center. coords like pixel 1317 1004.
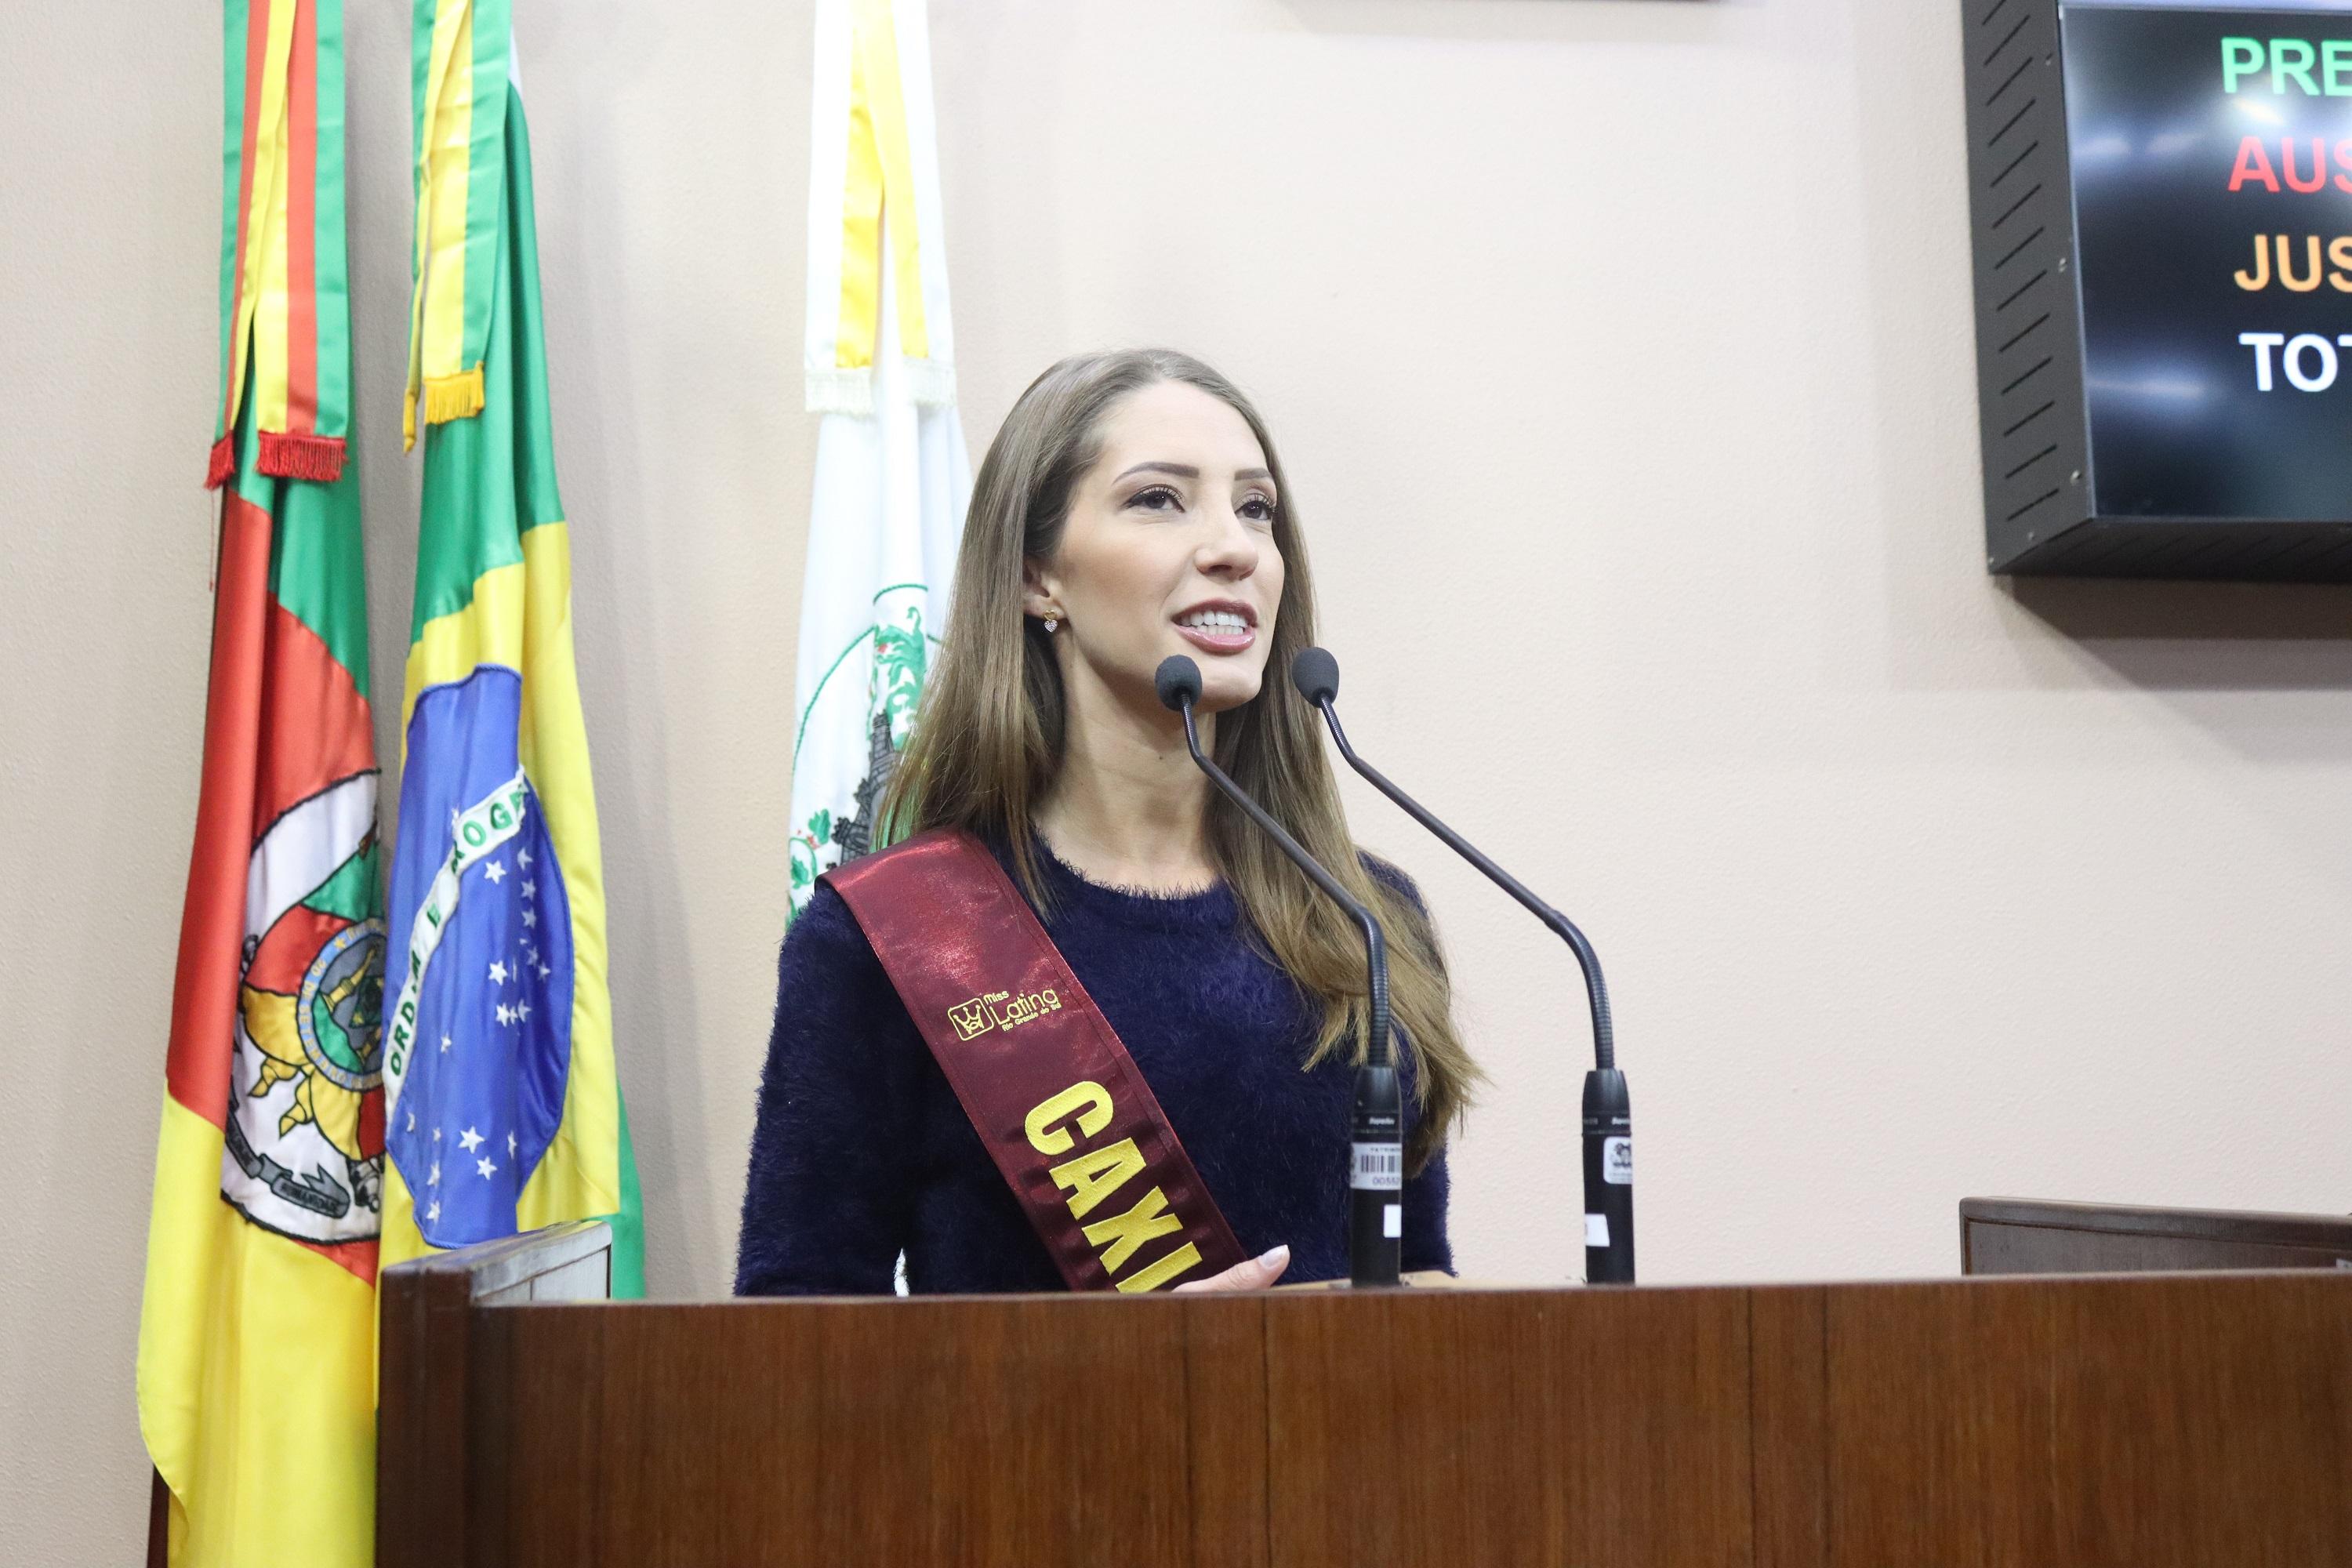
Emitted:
pixel 1621 356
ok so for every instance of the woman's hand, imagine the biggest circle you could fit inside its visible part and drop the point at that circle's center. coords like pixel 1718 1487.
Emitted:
pixel 1250 1274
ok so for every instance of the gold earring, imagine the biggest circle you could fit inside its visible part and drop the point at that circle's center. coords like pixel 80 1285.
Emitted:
pixel 1051 622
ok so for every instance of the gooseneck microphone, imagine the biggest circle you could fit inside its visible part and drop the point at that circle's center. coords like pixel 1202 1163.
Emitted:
pixel 1608 1112
pixel 1376 1158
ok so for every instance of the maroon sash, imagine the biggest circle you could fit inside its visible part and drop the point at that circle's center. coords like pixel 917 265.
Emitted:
pixel 1053 1093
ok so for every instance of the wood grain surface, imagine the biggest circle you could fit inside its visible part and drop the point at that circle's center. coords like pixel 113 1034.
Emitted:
pixel 2137 1421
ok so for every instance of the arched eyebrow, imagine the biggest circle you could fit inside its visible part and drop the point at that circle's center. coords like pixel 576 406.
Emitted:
pixel 1187 471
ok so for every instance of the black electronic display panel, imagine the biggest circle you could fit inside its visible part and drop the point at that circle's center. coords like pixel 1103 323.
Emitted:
pixel 2162 200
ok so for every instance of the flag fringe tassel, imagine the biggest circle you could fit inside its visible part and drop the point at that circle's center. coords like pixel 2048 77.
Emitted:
pixel 222 467
pixel 319 458
pixel 929 384
pixel 841 392
pixel 448 398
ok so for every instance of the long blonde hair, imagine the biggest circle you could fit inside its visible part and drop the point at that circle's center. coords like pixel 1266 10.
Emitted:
pixel 988 733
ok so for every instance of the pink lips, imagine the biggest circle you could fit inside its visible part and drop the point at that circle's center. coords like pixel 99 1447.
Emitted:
pixel 1221 640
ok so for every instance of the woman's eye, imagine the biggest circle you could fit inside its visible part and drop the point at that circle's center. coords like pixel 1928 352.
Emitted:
pixel 1158 497
pixel 1257 509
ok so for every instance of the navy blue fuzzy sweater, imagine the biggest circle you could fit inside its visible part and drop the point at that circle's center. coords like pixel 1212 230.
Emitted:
pixel 861 1149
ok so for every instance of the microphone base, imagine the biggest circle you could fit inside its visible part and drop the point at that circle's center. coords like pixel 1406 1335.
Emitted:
pixel 1376 1178
pixel 1608 1179
pixel 1374 1255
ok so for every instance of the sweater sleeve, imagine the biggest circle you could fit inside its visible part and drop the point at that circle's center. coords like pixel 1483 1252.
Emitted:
pixel 827 1204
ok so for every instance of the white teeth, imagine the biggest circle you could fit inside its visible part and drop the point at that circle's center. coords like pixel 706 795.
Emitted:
pixel 1224 621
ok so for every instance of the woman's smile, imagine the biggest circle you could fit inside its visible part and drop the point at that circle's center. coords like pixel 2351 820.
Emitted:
pixel 1219 625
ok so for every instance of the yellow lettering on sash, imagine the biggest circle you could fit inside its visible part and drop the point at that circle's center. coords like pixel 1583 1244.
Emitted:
pixel 1096 1173
pixel 1164 1270
pixel 1125 1232
pixel 1090 1103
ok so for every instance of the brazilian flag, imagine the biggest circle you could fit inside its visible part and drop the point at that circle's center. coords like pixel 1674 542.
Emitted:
pixel 503 1107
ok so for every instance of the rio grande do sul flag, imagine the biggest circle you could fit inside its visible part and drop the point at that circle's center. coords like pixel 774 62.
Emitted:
pixel 503 1105
pixel 892 476
pixel 284 289
pixel 257 1333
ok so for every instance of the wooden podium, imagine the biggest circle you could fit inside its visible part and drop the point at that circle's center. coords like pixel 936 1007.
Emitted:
pixel 2137 1421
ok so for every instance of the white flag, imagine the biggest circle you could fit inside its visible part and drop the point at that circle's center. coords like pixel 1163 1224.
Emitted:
pixel 892 476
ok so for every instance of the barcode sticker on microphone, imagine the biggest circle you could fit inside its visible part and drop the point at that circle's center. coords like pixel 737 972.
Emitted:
pixel 1379 1166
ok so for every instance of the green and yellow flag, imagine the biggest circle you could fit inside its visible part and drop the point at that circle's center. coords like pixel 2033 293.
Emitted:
pixel 257 1334
pixel 503 1104
pixel 462 53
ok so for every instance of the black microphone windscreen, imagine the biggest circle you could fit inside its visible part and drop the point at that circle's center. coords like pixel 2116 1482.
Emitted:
pixel 1178 680
pixel 1316 674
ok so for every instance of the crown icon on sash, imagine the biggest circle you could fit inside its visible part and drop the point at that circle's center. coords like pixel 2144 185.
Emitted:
pixel 971 1018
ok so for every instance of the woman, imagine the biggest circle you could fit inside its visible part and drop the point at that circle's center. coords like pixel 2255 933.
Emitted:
pixel 1131 508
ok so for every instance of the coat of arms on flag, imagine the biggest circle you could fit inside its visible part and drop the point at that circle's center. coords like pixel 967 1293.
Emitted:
pixel 303 1146
pixel 892 476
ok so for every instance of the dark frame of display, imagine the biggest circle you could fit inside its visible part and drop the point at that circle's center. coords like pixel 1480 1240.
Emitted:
pixel 2041 442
